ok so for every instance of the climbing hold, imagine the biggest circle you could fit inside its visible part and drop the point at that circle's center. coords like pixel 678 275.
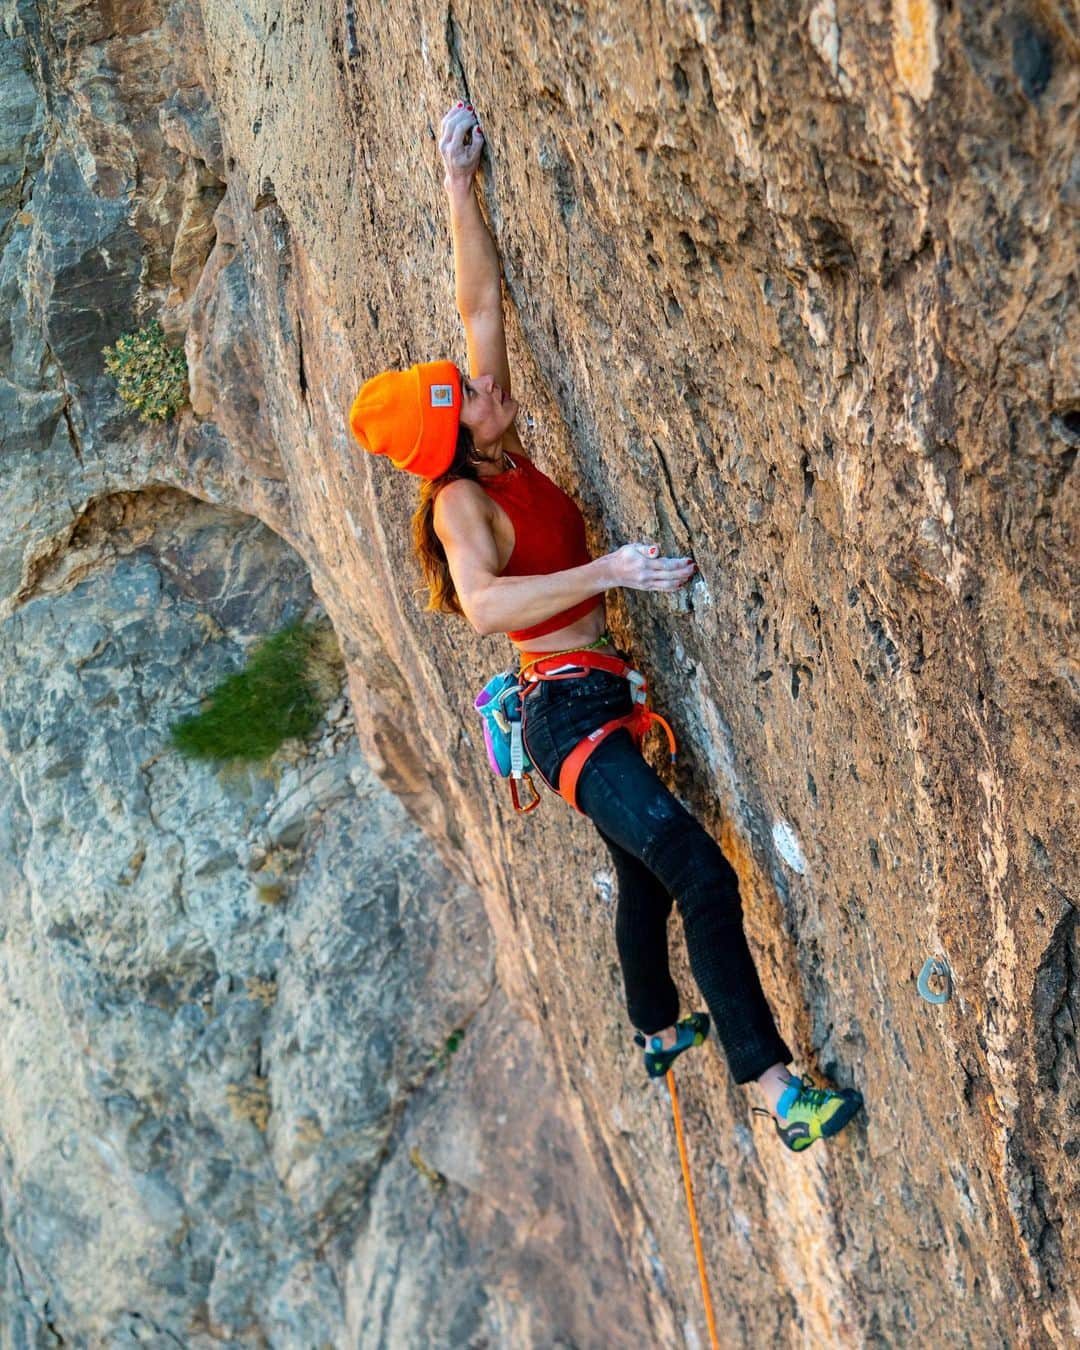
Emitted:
pixel 934 966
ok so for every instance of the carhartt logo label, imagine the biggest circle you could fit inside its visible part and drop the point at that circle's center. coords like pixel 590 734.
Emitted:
pixel 442 395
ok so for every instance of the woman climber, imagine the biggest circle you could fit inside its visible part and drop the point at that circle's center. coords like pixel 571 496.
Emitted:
pixel 503 546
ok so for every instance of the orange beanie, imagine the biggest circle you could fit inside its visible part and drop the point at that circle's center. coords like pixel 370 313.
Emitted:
pixel 411 416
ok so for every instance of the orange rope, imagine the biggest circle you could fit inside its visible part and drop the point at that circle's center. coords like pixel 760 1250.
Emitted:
pixel 693 1212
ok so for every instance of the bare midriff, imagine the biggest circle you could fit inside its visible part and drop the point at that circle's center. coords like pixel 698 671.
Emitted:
pixel 580 634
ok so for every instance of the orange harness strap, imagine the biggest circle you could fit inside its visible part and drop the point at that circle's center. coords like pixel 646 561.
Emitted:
pixel 541 667
pixel 637 722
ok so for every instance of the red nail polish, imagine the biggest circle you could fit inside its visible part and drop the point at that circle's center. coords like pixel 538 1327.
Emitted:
pixel 461 105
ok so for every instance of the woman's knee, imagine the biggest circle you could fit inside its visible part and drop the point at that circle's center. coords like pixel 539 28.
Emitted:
pixel 693 868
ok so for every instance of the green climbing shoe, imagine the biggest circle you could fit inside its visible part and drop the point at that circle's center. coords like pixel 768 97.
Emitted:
pixel 810 1113
pixel 689 1031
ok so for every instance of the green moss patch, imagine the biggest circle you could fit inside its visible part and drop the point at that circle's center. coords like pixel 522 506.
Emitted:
pixel 282 692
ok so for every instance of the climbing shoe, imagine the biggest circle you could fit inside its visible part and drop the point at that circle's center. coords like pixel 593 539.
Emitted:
pixel 808 1113
pixel 689 1031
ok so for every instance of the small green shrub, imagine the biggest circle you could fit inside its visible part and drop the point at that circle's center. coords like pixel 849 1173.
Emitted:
pixel 281 692
pixel 441 1057
pixel 150 375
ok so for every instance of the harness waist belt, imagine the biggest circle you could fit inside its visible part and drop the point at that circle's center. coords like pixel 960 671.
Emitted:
pixel 547 666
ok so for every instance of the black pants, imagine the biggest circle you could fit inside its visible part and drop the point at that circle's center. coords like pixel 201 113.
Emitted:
pixel 659 851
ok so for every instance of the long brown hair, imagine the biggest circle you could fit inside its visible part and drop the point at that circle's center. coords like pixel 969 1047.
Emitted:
pixel 426 543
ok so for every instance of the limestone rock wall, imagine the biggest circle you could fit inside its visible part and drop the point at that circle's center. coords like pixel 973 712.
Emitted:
pixel 792 290
pixel 228 995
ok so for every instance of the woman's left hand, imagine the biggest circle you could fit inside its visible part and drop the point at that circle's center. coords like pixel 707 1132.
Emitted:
pixel 461 143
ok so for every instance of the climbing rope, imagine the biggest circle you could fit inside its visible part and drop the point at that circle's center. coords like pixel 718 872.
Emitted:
pixel 693 1213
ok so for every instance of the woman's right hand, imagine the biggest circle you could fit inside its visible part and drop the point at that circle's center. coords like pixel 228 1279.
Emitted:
pixel 640 567
pixel 460 143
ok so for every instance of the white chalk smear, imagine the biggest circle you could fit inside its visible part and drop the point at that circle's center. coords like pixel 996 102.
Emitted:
pixel 787 845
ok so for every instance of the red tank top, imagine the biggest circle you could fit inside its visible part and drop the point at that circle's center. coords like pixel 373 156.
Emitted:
pixel 549 535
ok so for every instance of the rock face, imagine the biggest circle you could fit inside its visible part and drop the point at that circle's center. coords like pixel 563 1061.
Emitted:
pixel 793 292
pixel 228 996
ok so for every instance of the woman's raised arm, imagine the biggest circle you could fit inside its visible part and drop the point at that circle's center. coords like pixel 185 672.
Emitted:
pixel 478 276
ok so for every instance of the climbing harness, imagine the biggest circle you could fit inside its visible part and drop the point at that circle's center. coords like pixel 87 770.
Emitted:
pixel 501 704
pixel 637 722
pixel 935 966
pixel 693 1212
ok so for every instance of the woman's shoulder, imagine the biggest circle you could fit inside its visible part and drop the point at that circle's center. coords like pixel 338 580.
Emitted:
pixel 460 501
pixel 456 490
